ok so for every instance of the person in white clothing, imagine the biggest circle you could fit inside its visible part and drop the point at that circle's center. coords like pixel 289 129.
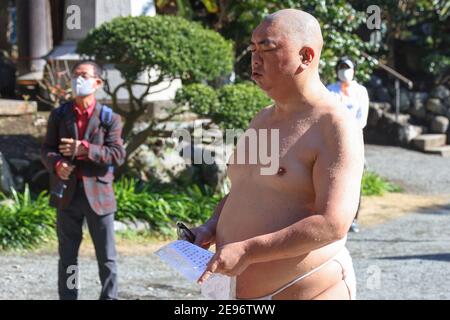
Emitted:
pixel 354 97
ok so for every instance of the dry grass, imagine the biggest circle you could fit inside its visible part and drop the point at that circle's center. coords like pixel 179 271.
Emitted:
pixel 375 210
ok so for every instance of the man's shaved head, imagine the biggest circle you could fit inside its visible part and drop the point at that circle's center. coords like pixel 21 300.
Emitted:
pixel 285 50
pixel 298 25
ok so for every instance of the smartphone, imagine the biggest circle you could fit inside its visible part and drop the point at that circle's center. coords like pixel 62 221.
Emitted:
pixel 184 233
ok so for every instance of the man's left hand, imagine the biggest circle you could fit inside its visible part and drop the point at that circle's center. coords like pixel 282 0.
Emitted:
pixel 70 147
pixel 231 260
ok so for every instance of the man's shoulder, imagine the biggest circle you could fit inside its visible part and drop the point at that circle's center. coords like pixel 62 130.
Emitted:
pixel 333 119
pixel 58 113
pixel 262 115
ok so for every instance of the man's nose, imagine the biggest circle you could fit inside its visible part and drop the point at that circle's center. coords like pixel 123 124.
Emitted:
pixel 256 59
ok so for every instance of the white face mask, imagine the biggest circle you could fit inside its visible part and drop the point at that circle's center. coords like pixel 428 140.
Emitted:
pixel 82 87
pixel 346 75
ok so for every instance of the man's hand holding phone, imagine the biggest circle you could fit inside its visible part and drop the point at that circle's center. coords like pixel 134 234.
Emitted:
pixel 64 169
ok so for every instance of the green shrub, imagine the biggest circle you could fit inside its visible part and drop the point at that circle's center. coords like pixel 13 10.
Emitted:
pixel 24 222
pixel 202 99
pixel 162 206
pixel 231 107
pixel 176 47
pixel 238 105
pixel 374 185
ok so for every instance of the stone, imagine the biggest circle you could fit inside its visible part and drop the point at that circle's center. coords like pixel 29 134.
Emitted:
pixel 145 158
pixel 446 102
pixel 120 226
pixel 19 183
pixel 17 107
pixel 417 108
pixel 384 106
pixel 402 119
pixel 440 92
pixel 173 163
pixel 136 225
pixel 429 141
pixel 435 105
pixel 418 97
pixel 6 177
pixel 40 181
pixel 19 165
pixel 382 95
pixel 374 116
pixel 443 151
pixel 406 133
pixel 439 124
pixel 374 81
pixel 405 101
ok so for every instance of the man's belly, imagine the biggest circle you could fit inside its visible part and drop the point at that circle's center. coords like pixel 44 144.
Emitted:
pixel 258 213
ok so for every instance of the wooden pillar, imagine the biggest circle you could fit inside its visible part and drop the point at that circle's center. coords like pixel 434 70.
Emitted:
pixel 34 35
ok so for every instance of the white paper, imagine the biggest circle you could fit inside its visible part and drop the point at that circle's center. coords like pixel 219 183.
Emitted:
pixel 219 287
pixel 190 261
pixel 186 258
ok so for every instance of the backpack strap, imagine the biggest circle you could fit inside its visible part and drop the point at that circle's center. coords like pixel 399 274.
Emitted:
pixel 106 116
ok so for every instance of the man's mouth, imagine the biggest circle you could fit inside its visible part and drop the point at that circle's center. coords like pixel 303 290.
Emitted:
pixel 256 74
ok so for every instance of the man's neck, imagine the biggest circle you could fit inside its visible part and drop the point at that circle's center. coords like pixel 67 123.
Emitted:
pixel 86 101
pixel 307 91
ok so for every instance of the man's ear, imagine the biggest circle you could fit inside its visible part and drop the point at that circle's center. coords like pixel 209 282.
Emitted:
pixel 99 83
pixel 306 57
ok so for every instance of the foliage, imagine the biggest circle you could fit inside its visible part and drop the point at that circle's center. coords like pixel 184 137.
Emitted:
pixel 231 106
pixel 374 185
pixel 424 23
pixel 24 222
pixel 170 44
pixel 162 206
pixel 236 20
pixel 201 98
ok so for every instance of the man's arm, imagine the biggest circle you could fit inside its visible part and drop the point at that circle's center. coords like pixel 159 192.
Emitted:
pixel 364 106
pixel 50 155
pixel 337 176
pixel 206 233
pixel 112 151
pixel 212 222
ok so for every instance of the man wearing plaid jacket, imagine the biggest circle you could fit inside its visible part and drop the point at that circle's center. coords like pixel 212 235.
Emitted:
pixel 82 146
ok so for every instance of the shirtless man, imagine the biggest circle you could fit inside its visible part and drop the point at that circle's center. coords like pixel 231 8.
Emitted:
pixel 284 235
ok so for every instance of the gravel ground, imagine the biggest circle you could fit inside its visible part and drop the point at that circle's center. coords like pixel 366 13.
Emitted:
pixel 406 258
pixel 415 171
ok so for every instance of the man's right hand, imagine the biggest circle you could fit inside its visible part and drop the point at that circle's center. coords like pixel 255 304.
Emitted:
pixel 204 236
pixel 64 169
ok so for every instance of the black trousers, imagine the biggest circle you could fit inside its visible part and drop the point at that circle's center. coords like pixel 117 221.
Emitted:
pixel 69 224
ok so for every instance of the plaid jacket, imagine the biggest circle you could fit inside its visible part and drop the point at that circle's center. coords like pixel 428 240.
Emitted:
pixel 105 151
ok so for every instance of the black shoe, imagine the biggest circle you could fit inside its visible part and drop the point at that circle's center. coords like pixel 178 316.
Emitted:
pixel 354 227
